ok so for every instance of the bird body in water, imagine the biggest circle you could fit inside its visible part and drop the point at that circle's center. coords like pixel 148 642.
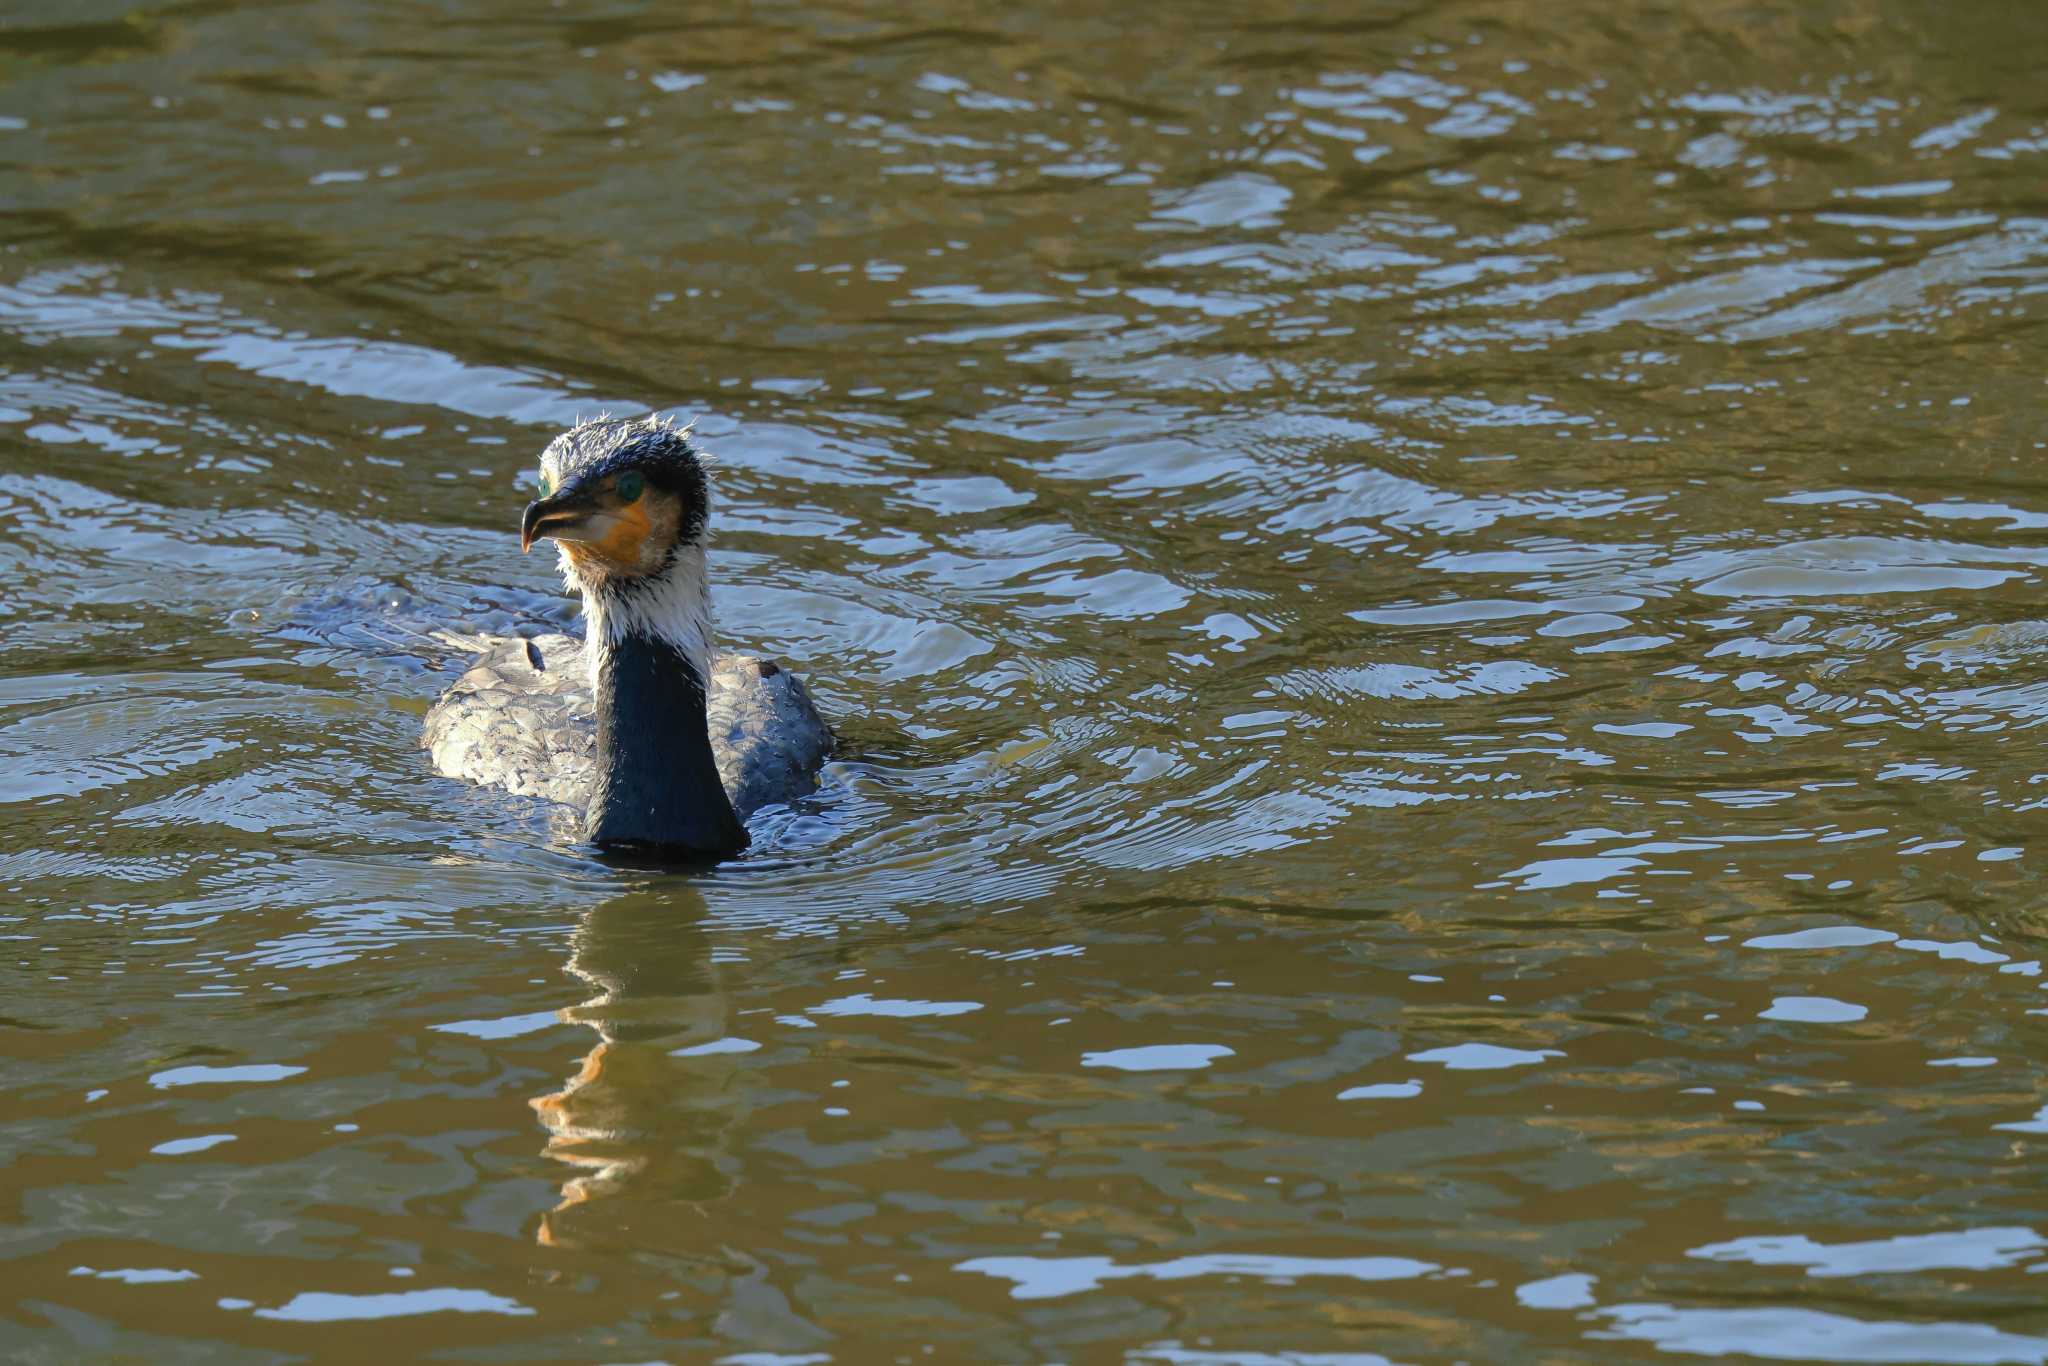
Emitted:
pixel 665 748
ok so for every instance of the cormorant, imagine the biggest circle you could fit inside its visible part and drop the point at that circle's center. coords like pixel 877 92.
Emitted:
pixel 665 749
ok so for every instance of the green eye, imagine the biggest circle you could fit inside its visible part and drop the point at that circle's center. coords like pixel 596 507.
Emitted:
pixel 630 485
pixel 547 484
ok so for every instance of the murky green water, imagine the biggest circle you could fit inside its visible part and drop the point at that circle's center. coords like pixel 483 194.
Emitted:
pixel 1435 614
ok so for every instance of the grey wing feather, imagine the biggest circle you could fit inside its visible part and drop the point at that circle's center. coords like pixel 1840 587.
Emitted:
pixel 521 718
pixel 766 735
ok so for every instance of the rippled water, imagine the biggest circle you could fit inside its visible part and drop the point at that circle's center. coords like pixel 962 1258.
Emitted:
pixel 1433 612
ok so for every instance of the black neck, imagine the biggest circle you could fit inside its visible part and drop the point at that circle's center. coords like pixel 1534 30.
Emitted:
pixel 657 791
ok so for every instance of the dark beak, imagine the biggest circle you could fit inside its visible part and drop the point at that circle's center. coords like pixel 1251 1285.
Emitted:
pixel 544 515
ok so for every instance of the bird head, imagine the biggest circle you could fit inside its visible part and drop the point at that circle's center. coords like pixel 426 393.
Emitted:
pixel 623 499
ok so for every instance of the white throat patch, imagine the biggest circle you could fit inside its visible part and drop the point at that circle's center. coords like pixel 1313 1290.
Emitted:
pixel 673 606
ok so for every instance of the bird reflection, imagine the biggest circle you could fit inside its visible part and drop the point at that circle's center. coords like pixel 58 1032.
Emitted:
pixel 637 1117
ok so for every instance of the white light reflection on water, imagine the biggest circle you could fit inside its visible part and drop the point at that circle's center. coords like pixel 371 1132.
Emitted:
pixel 1977 1249
pixel 504 1027
pixel 1172 1353
pixel 319 1306
pixel 1484 1057
pixel 1573 1290
pixel 138 1275
pixel 1391 1090
pixel 1042 1278
pixel 180 1147
pixel 864 1004
pixel 1813 1335
pixel 1160 1057
pixel 1814 1010
pixel 199 1075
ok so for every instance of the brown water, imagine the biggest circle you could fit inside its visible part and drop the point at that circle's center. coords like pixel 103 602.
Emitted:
pixel 1434 613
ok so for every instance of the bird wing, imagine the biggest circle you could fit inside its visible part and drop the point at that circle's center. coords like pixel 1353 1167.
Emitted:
pixel 521 718
pixel 766 735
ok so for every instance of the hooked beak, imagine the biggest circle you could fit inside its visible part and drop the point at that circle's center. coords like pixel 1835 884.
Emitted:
pixel 552 516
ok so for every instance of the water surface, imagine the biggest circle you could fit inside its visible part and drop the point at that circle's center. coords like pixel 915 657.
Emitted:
pixel 1433 613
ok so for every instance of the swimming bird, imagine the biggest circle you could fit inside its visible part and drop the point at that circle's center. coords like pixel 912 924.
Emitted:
pixel 665 749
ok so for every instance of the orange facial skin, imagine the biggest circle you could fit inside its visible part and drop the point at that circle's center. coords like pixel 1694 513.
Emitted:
pixel 628 534
pixel 605 536
pixel 634 539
